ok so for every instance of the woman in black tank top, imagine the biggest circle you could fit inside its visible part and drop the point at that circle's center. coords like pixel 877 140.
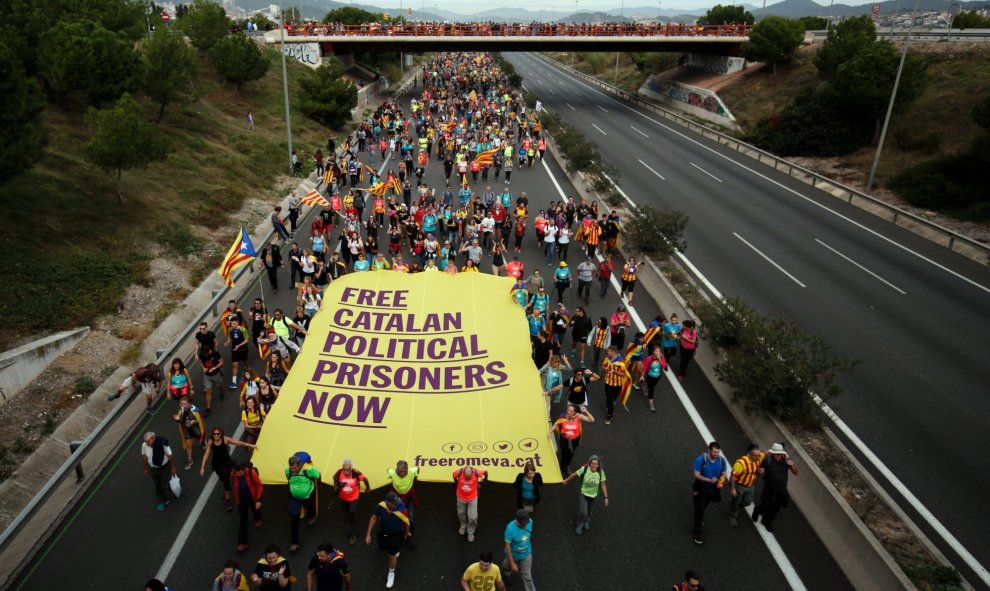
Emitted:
pixel 219 455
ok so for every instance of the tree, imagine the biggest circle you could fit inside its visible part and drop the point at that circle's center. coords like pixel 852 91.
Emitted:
pixel 724 15
pixel 23 136
pixel 120 16
pixel 84 56
pixel 206 23
pixel 262 21
pixel 171 68
pixel 348 15
pixel 123 139
pixel 657 232
pixel 865 82
pixel 813 23
pixel 291 15
pixel 773 40
pixel 22 22
pixel 238 59
pixel 326 98
pixel 970 19
pixel 844 41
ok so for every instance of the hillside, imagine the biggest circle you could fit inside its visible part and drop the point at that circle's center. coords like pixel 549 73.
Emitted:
pixel 66 227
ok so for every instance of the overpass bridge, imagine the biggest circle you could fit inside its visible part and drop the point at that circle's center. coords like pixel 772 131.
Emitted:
pixel 308 43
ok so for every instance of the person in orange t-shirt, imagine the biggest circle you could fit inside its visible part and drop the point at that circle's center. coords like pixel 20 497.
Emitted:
pixel 348 483
pixel 468 481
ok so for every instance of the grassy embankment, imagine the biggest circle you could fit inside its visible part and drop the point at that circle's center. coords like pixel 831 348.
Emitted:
pixel 71 248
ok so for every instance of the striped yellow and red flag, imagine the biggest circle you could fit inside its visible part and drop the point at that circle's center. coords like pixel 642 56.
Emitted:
pixel 620 366
pixel 241 253
pixel 328 177
pixel 379 189
pixel 314 198
pixel 487 157
pixel 394 183
pixel 263 350
pixel 473 96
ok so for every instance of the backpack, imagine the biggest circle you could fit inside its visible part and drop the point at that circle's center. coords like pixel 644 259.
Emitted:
pixel 583 471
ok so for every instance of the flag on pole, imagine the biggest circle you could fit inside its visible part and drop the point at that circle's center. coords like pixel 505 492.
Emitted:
pixel 314 198
pixel 379 189
pixel 241 253
pixel 473 96
pixel 487 157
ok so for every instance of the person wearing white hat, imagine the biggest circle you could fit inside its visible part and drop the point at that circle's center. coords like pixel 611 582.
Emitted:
pixel 773 497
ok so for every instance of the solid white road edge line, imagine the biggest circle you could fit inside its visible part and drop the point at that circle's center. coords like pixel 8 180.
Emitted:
pixel 875 276
pixel 768 259
pixel 649 168
pixel 797 193
pixel 776 551
pixel 705 171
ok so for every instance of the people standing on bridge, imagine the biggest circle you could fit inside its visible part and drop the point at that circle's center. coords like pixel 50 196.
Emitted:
pixel 482 575
pixel 247 489
pixel 403 480
pixel 773 497
pixel 191 428
pixel 220 462
pixel 592 486
pixel 347 481
pixel 302 496
pixel 710 472
pixel 272 572
pixel 468 481
pixel 393 529
pixel 328 570
pixel 518 540
pixel 742 483
pixel 569 428
pixel 156 457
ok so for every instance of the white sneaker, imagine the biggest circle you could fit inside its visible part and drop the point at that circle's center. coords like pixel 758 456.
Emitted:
pixel 390 581
pixel 470 537
pixel 462 530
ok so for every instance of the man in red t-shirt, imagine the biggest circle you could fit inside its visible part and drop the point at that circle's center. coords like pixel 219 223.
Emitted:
pixel 347 481
pixel 468 481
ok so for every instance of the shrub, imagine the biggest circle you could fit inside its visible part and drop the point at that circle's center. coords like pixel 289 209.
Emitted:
pixel 84 386
pixel 656 232
pixel 723 321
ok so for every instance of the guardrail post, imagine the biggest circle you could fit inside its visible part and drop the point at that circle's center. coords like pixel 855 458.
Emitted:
pixel 79 469
pixel 952 241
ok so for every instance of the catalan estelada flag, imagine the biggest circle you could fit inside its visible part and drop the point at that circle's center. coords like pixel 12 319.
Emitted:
pixel 314 198
pixel 241 253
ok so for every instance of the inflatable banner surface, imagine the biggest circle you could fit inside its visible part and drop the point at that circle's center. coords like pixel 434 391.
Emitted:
pixel 430 368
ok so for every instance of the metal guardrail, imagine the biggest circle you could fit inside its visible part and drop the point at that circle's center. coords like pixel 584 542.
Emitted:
pixel 83 448
pixel 946 237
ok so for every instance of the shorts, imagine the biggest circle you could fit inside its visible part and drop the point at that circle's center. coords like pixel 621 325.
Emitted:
pixel 628 286
pixel 213 381
pixel 147 388
pixel 239 355
pixel 391 544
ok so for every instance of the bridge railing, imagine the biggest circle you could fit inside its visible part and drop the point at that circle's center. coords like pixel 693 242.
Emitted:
pixel 516 30
pixel 938 234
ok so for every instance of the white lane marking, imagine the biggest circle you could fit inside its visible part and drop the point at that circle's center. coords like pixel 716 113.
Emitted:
pixel 599 129
pixel 868 453
pixel 640 133
pixel 879 278
pixel 705 171
pixel 552 91
pixel 791 575
pixel 650 168
pixel 187 527
pixel 806 198
pixel 602 108
pixel 569 105
pixel 769 260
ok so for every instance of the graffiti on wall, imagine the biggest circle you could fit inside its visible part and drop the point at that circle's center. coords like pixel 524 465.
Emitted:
pixel 714 64
pixel 307 53
pixel 693 97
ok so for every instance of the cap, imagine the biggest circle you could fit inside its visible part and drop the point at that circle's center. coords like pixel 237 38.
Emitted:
pixel 563 264
pixel 522 516
pixel 393 497
pixel 590 257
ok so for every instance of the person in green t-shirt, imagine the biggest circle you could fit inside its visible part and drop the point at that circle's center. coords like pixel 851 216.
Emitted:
pixel 592 478
pixel 403 479
pixel 303 478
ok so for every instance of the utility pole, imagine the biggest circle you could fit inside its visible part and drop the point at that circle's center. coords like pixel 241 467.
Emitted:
pixel 285 86
pixel 893 96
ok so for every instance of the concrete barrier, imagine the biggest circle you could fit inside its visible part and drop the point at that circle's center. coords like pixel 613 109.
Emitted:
pixel 20 366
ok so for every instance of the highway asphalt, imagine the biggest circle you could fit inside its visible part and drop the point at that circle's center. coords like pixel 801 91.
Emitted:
pixel 642 540
pixel 914 315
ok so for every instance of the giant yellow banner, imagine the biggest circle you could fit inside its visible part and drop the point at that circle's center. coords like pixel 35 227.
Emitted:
pixel 430 368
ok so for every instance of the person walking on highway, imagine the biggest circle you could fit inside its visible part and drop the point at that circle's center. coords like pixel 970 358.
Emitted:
pixel 519 549
pixel 773 497
pixel 246 484
pixel 653 367
pixel 272 572
pixel 482 575
pixel 691 582
pixel 585 274
pixel 743 480
pixel 561 280
pixel 592 479
pixel 156 457
pixel 581 326
pixel 302 495
pixel 688 345
pixel 616 374
pixel 347 481
pixel 393 528
pixel 230 578
pixel 148 380
pixel 599 339
pixel 671 337
pixel 630 274
pixel 527 485
pixel 604 273
pixel 219 455
pixel 710 471
pixel 403 479
pixel 569 429
pixel 328 570
pixel 191 428
pixel 468 481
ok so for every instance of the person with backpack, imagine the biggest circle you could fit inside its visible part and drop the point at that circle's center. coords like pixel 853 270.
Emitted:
pixel 468 482
pixel 710 473
pixel 303 479
pixel 148 380
pixel 519 549
pixel 347 481
pixel 592 478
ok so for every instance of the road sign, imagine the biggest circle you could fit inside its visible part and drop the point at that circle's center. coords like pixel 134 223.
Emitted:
pixel 165 16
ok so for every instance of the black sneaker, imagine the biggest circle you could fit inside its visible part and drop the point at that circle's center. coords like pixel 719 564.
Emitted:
pixel 207 413
pixel 113 397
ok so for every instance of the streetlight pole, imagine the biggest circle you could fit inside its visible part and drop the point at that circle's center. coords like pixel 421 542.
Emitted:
pixel 893 96
pixel 948 33
pixel 285 86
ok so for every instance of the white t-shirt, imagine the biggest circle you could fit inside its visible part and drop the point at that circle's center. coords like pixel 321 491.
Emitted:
pixel 147 451
pixel 551 233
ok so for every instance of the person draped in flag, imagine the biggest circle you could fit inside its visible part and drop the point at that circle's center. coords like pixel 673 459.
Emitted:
pixel 393 528
pixel 635 354
pixel 617 382
pixel 191 429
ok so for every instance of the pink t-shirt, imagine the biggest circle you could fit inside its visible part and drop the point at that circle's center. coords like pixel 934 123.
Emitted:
pixel 686 342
